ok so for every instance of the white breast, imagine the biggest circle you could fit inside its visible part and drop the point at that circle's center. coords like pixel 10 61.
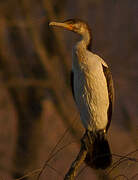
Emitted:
pixel 90 88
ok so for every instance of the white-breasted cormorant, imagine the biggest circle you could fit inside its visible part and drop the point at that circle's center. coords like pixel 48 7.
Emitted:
pixel 93 92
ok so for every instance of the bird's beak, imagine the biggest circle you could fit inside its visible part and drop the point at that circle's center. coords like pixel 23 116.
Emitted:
pixel 64 25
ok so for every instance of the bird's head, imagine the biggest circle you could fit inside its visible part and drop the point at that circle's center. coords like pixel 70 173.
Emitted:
pixel 75 25
pixel 78 26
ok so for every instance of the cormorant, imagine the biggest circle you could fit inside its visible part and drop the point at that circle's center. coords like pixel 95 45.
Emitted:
pixel 93 92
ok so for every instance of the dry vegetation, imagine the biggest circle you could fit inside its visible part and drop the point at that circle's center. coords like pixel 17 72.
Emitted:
pixel 36 104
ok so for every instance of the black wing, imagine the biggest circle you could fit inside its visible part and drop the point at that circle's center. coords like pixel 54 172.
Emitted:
pixel 72 83
pixel 110 87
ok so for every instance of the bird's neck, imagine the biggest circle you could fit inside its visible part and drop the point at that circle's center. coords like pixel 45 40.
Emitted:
pixel 85 41
pixel 81 47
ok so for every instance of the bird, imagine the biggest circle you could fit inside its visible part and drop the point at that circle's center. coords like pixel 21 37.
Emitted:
pixel 93 92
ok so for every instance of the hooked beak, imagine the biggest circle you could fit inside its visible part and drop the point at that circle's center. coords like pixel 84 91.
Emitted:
pixel 64 25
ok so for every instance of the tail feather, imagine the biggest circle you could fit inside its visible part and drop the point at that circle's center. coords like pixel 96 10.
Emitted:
pixel 99 154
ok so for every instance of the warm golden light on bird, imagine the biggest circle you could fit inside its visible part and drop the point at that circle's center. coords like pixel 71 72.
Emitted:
pixel 93 92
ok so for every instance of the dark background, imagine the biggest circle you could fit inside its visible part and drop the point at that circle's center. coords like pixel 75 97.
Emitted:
pixel 36 104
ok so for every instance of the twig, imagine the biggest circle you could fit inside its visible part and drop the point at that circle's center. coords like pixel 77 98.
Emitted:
pixel 52 153
pixel 121 160
pixel 78 161
pixel 30 174
pixel 121 175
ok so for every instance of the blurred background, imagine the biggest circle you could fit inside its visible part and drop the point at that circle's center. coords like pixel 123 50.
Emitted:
pixel 36 104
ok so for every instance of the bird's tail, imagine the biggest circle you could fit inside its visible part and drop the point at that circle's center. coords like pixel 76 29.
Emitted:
pixel 99 154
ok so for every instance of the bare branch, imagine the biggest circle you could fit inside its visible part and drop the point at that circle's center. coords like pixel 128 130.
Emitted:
pixel 52 153
pixel 121 160
pixel 78 161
